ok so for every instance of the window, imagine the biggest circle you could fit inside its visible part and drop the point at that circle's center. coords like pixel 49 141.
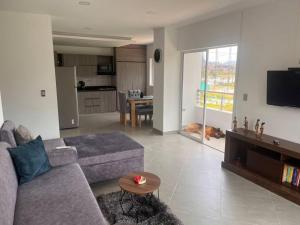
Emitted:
pixel 221 70
pixel 151 72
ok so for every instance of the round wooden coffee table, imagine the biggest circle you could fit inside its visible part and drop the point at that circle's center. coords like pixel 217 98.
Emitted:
pixel 146 190
pixel 152 184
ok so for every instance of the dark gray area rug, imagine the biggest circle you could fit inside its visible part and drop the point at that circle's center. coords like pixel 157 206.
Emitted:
pixel 150 211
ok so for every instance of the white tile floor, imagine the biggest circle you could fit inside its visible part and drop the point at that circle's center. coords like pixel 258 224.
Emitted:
pixel 218 144
pixel 194 185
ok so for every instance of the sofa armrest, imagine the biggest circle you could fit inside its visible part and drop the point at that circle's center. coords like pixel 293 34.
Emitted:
pixel 61 156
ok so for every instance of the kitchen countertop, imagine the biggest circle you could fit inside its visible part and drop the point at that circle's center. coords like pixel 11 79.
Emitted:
pixel 96 88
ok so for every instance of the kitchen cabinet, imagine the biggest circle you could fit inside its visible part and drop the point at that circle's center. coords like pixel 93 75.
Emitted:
pixel 96 102
pixel 70 60
pixel 55 58
pixel 87 60
pixel 131 54
pixel 131 76
pixel 79 60
pixel 86 71
pixel 131 68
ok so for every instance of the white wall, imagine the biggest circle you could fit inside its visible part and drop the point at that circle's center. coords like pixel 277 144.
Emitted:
pixel 215 32
pixel 269 41
pixel 1 112
pixel 83 50
pixel 167 81
pixel 26 67
pixel 268 38
pixel 158 89
pixel 172 80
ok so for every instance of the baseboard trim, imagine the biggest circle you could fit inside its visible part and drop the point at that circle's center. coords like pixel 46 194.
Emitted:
pixel 156 131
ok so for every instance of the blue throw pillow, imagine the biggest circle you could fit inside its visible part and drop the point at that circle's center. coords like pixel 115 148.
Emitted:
pixel 30 160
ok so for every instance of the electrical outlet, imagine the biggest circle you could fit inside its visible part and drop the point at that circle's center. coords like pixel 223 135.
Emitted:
pixel 245 97
pixel 43 93
pixel 73 121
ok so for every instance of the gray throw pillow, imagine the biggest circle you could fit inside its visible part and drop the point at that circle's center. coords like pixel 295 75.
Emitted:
pixel 22 135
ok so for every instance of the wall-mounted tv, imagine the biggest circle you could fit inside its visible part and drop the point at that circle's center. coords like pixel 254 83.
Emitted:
pixel 283 88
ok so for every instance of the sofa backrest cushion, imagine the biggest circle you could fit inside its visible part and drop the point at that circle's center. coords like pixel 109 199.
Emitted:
pixel 7 133
pixel 8 186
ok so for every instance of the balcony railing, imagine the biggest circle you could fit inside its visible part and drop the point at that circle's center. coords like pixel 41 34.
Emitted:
pixel 222 101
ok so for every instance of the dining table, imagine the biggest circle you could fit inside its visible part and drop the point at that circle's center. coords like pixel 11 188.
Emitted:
pixel 145 100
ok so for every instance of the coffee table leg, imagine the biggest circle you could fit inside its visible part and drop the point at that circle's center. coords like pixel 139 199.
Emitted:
pixel 132 204
pixel 121 202
pixel 137 210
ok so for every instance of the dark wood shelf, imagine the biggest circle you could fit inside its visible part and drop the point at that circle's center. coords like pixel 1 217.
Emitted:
pixel 285 190
pixel 259 160
pixel 291 186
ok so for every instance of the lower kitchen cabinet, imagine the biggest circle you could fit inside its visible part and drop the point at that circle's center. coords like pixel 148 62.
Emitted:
pixel 96 102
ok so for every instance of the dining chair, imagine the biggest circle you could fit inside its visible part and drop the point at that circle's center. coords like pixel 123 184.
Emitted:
pixel 134 93
pixel 144 111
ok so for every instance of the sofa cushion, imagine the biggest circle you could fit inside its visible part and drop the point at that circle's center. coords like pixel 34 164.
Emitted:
pixel 22 135
pixel 8 186
pixel 58 153
pixel 30 160
pixel 61 196
pixel 53 143
pixel 62 155
pixel 101 148
pixel 7 133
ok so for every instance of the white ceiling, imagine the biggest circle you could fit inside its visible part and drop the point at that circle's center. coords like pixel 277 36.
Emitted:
pixel 127 19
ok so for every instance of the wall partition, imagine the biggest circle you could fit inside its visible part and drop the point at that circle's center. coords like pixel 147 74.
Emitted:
pixel 208 83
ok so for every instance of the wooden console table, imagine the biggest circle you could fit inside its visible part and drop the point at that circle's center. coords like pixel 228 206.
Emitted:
pixel 261 161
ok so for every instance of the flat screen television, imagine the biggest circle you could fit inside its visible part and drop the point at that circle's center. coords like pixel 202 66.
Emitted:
pixel 283 88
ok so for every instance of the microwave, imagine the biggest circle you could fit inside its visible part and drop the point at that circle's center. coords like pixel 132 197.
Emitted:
pixel 107 69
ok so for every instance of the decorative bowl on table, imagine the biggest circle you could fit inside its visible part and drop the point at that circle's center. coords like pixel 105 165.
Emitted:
pixel 139 179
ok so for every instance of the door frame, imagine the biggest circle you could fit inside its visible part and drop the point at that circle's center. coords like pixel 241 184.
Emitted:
pixel 206 65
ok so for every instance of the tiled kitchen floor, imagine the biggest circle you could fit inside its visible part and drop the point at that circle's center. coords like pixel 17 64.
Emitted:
pixel 194 185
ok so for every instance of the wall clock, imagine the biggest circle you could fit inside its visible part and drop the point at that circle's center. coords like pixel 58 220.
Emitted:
pixel 157 55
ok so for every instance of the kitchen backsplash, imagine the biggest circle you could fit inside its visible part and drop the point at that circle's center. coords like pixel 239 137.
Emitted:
pixel 97 80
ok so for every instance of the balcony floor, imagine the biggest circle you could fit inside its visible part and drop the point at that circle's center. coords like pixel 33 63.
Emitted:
pixel 218 144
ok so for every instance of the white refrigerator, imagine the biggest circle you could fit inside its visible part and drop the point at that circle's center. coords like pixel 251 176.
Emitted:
pixel 66 85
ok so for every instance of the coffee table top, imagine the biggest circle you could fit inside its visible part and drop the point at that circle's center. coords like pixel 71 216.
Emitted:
pixel 127 183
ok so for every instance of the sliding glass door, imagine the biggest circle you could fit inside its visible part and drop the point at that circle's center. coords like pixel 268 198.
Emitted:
pixel 208 84
pixel 193 94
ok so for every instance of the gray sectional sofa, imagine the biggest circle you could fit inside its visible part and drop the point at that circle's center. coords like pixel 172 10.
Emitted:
pixel 107 156
pixel 61 196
